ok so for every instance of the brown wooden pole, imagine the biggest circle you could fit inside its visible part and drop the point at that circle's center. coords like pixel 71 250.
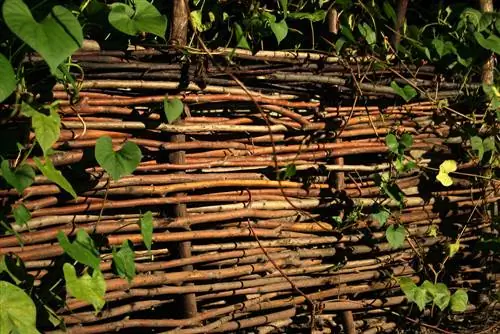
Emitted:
pixel 347 317
pixel 489 65
pixel 178 36
pixel 400 19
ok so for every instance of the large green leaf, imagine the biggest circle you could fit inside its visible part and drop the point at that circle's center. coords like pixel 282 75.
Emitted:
pixel 439 292
pixel 280 30
pixel 391 141
pixel 241 40
pixel 124 260
pixel 55 38
pixel 143 18
pixel 173 109
pixel 47 127
pixel 395 236
pixel 17 310
pixel 459 301
pixel 20 178
pixel 8 82
pixel 82 249
pixel 120 163
pixel 409 287
pixel 87 288
pixel 407 92
pixel 491 43
pixel 54 175
pixel 146 223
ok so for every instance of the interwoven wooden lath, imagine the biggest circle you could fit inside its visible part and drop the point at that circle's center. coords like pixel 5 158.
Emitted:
pixel 265 245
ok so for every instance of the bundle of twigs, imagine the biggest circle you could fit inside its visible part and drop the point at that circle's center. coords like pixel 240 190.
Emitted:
pixel 268 251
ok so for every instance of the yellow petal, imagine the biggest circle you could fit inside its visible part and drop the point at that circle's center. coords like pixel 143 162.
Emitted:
pixel 445 179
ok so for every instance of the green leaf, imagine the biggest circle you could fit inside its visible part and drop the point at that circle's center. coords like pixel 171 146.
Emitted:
pixel 284 7
pixel 407 92
pixel 368 33
pixel 290 171
pixel 124 260
pixel 389 12
pixel 491 43
pixel 459 301
pixel 489 144
pixel 381 216
pixel 421 298
pixel 337 220
pixel 144 18
pixel 409 288
pixel 433 231
pixel 8 82
pixel 197 19
pixel 173 109
pixel 439 292
pixel 117 163
pixel 406 140
pixel 241 40
pixel 280 30
pixel 89 289
pixel 471 15
pixel 477 145
pixel 55 38
pixel 20 178
pixel 82 249
pixel 54 175
pixel 317 16
pixel 443 48
pixel 21 215
pixel 454 248
pixel 395 236
pixel 17 310
pixel 392 143
pixel 15 268
pixel 146 224
pixel 445 168
pixel 47 127
pixel 485 21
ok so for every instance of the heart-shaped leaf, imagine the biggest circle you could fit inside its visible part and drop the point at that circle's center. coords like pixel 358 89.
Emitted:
pixel 392 143
pixel 146 224
pixel 17 310
pixel 21 215
pixel 82 249
pixel 144 18
pixel 409 288
pixel 395 236
pixel 124 260
pixel 50 172
pixel 87 288
pixel 55 38
pixel 407 92
pixel 445 168
pixel 173 109
pixel 459 301
pixel 8 82
pixel 47 127
pixel 280 30
pixel 439 292
pixel 117 163
pixel 20 178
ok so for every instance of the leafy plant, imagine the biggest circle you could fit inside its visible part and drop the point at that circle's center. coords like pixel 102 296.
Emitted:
pixel 395 236
pixel 124 260
pixel 173 109
pixel 146 223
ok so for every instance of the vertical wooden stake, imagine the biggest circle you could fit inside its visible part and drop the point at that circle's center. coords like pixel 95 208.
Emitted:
pixel 180 20
pixel 400 19
pixel 489 65
pixel 347 317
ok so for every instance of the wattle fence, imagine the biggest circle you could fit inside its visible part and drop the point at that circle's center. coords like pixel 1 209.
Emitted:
pixel 266 195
